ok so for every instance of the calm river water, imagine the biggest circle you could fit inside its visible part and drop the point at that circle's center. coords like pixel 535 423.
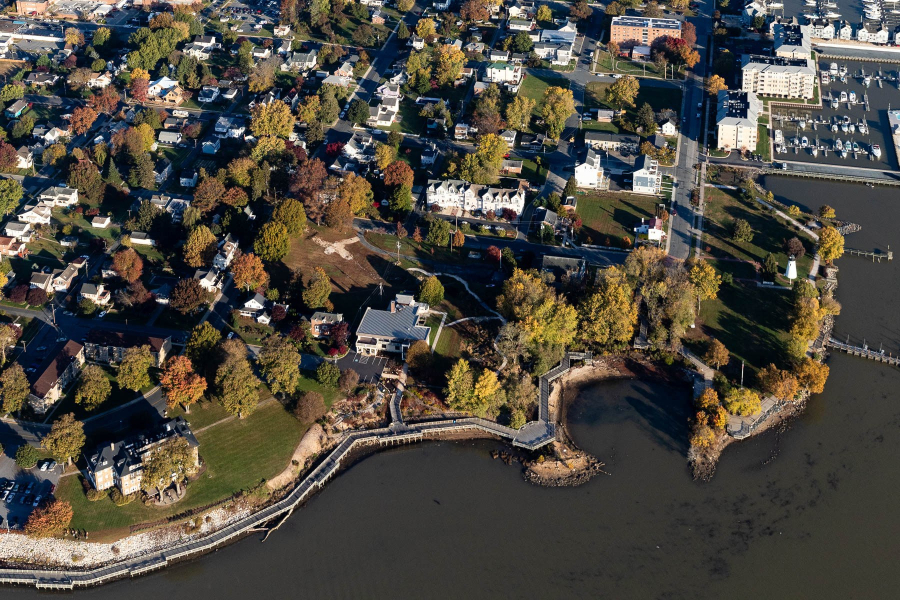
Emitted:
pixel 808 514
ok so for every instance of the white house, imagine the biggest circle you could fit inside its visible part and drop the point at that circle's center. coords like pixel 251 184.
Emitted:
pixel 19 230
pixel 101 222
pixel 589 174
pixel 141 239
pixel 653 229
pixel 98 294
pixel 210 280
pixel 36 215
pixel 667 128
pixel 59 196
pixel 457 194
pixel 198 51
pixel 188 179
pixel 24 158
pixel 504 73
pixel 211 146
pixel 646 178
pixel 227 249
pixel 100 81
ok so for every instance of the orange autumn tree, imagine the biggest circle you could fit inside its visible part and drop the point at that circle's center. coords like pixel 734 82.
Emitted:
pixel 49 519
pixel 182 385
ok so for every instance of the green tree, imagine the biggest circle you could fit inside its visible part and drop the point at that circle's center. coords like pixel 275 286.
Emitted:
pixel 358 112
pixel 14 387
pixel 460 386
pixel 12 91
pixel 134 372
pixel 770 266
pixel 291 214
pixel 518 112
pixel 93 387
pixel 27 456
pixel 11 193
pixel 172 461
pixel 557 106
pixel 66 438
pixel 101 36
pixel 401 199
pixel 646 118
pixel 328 374
pixel 272 242
pixel 200 247
pixel 317 291
pixel 571 187
pixel 431 291
pixel 204 338
pixel 403 31
pixel 236 385
pixel 279 363
pixel 623 92
pixel 438 232
pixel 741 231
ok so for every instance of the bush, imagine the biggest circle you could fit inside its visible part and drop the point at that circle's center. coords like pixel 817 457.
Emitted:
pixel 27 456
pixel 121 499
pixel 348 381
pixel 328 374
pixel 93 494
pixel 18 293
pixel 86 306
pixel 310 407
pixel 36 297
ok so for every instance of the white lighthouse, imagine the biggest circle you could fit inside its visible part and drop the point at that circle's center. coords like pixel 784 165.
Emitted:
pixel 791 271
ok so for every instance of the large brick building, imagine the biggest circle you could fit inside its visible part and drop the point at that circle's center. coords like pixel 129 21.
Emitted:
pixel 641 31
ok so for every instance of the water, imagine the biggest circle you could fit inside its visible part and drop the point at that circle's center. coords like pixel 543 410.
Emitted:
pixel 808 514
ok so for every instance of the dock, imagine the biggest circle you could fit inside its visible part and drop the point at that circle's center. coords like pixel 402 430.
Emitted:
pixel 863 351
pixel 875 255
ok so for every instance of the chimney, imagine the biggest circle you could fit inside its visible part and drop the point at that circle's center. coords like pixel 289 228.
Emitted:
pixel 393 306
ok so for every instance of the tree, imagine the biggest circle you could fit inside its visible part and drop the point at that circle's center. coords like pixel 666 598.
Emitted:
pixel 608 316
pixel 85 177
pixel 364 35
pixel 356 191
pixel 290 213
pixel 187 296
pixel 494 255
pixel 544 13
pixel 706 281
pixel 431 291
pixel 715 84
pixel 438 232
pixel 778 383
pixel 23 127
pixel 82 119
pixel 688 31
pixel 770 266
pixel 328 374
pixel 272 242
pixel 101 36
pixel 794 247
pixel 272 119
pixel 50 519
pixel 134 372
pixel 459 239
pixel 557 106
pixel 571 187
pixel 384 155
pixel 173 461
pixel 418 356
pixel 812 375
pixel 236 385
pixel 74 36
pixel 623 92
pixel 199 349
pixel 518 112
pixel 742 401
pixel 128 264
pixel 200 247
pixel 403 31
pixel 338 215
pixel 448 63
pixel 826 212
pixel 14 388
pixel 348 381
pixel 485 392
pixel 399 173
pixel 236 197
pixel 262 75
pixel 249 272
pixel 716 354
pixel 831 244
pixel 460 386
pixel 93 387
pixel 581 10
pixel 27 456
pixel 279 363
pixel 741 231
pixel 310 407
pixel 12 91
pixel 66 437
pixel 317 290
pixel 36 297
pixel 358 112
pixel 11 193
pixel 208 193
pixel 401 199
pixel 646 118
pixel 182 385
pixel 425 29
pixel 474 10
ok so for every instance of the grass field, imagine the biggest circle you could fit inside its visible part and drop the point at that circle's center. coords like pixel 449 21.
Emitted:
pixel 613 216
pixel 534 86
pixel 762 145
pixel 659 98
pixel 723 207
pixel 238 455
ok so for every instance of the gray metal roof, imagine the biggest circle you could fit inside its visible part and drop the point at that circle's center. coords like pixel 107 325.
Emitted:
pixel 399 325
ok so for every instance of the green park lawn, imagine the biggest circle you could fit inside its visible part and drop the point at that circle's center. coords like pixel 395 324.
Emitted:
pixel 535 84
pixel 659 98
pixel 613 215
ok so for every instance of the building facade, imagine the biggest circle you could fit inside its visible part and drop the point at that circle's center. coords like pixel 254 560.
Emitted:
pixel 778 76
pixel 462 195
pixel 737 118
pixel 641 31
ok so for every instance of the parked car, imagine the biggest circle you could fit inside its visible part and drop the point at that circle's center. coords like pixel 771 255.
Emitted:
pixel 37 500
pixel 101 315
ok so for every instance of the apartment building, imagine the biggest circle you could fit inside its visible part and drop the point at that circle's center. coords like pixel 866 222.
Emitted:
pixel 778 76
pixel 737 120
pixel 458 194
pixel 641 31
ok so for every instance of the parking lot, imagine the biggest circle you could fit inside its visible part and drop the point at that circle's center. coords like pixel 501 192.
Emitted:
pixel 251 17
pixel 23 489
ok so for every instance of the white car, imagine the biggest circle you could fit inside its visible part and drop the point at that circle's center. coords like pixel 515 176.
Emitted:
pixel 101 315
pixel 616 76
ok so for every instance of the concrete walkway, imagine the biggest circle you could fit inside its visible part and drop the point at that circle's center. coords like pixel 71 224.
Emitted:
pixel 465 285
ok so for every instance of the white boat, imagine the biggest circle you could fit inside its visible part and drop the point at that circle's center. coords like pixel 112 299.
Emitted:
pixel 852 128
pixel 802 124
pixel 845 128
pixel 814 150
pixel 852 96
pixel 833 68
pixel 863 127
pixel 776 5
pixel 894 12
pixel 804 142
pixel 837 144
pixel 842 70
pixel 810 2
pixel 832 15
pixel 834 102
pixel 826 77
pixel 855 147
pixel 843 96
pixel 847 146
pixel 876 150
pixel 834 127
pixel 867 81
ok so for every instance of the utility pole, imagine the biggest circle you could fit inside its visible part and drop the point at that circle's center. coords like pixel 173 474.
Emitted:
pixel 742 374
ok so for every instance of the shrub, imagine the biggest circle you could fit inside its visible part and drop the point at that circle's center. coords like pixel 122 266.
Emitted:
pixel 121 499
pixel 328 374
pixel 348 381
pixel 18 293
pixel 93 494
pixel 36 297
pixel 310 407
pixel 27 456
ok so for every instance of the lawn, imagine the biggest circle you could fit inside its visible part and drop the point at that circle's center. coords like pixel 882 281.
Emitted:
pixel 723 207
pixel 659 98
pixel 535 84
pixel 308 383
pixel 613 215
pixel 626 66
pixel 78 221
pixel 149 253
pixel 533 173
pixel 237 455
pixel 762 145
pixel 117 397
pixel 410 120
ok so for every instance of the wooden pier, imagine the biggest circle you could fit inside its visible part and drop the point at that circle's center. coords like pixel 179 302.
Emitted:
pixel 864 351
pixel 873 254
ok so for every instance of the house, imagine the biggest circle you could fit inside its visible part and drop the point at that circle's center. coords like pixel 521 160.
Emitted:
pixel 511 167
pixel 611 142
pixel 544 217
pixel 322 322
pixel 385 114
pixel 211 146
pixel 197 51
pixel 647 178
pixel 509 136
pixel 188 179
pixel 589 174
pixel 389 90
pixel 41 281
pixel 346 68
pixel 300 61
pixel 52 378
pixel 69 241
pixel 668 128
pixel 520 24
pixel 737 120
pixel 416 42
pixel 207 41
pixel 230 127
pixel 165 91
pixel 564 268
pixel 461 131
pixel 254 307
pixel 109 347
pixel 101 222
pixel 282 31
pixel 16 109
pixel 504 73
pixel 62 279
pixel 261 53
pixel 36 215
pixel 228 247
pixel 10 246
pixel 59 196
pixel 845 32
pixel 377 17
pixel 96 293
pixel 210 280
pixel 821 29
pixel 376 3
pixel 521 10
pixel 429 154
pixel 41 79
pixel 392 330
pixel 24 158
pixel 208 93
pixel 121 464
pixel 18 230
pixel 169 138
pixel 162 169
pixel 455 194
pixel 653 229
pixel 360 147
pixel 640 53
pixel 141 239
